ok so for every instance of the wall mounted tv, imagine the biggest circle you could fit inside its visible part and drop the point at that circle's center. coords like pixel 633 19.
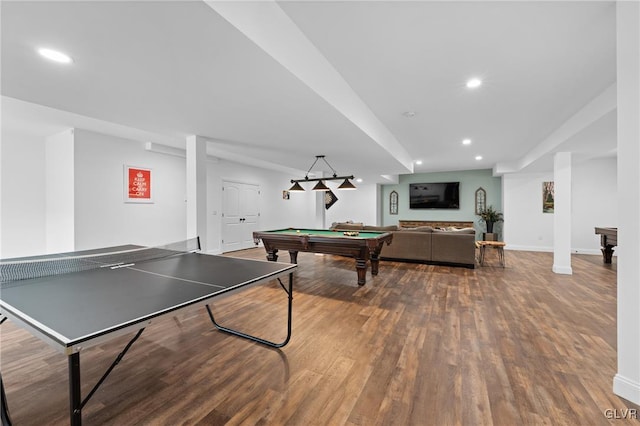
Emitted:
pixel 438 195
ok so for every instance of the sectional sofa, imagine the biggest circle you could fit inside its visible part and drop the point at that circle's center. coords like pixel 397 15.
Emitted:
pixel 424 244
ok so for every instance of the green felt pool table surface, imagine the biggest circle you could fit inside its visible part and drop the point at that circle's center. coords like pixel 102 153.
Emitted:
pixel 325 233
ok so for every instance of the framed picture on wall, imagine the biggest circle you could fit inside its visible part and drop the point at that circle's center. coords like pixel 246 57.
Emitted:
pixel 329 199
pixel 548 201
pixel 393 202
pixel 137 185
pixel 481 200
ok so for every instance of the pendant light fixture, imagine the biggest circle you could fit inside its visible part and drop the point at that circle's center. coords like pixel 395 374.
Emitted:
pixel 321 186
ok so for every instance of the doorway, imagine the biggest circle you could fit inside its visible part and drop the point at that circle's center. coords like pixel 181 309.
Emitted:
pixel 240 215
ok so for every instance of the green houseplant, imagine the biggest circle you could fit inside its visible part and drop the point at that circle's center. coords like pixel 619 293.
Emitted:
pixel 490 216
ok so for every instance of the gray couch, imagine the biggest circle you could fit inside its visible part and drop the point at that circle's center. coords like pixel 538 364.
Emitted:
pixel 424 244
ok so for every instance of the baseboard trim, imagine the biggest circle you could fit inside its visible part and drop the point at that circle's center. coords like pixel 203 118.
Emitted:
pixel 626 388
pixel 566 270
pixel 527 248
pixel 550 249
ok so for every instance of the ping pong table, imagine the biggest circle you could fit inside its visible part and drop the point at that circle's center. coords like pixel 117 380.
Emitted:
pixel 77 300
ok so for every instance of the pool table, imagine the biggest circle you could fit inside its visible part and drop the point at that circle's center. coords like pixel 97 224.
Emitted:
pixel 608 240
pixel 363 247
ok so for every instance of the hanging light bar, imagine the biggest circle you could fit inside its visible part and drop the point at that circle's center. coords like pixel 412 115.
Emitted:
pixel 321 186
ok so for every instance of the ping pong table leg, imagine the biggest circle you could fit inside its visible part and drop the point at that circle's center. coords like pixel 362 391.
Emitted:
pixel 75 397
pixel 5 418
pixel 75 392
pixel 289 292
pixel 4 415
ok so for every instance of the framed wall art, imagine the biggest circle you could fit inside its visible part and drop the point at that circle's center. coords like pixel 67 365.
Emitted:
pixel 481 200
pixel 547 197
pixel 329 199
pixel 393 202
pixel 137 185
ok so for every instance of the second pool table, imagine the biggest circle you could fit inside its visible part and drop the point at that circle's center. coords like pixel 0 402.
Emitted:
pixel 363 247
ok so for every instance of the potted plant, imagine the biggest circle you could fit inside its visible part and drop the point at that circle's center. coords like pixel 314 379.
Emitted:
pixel 490 216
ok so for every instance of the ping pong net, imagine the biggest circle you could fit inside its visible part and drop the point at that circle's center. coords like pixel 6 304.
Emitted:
pixel 116 257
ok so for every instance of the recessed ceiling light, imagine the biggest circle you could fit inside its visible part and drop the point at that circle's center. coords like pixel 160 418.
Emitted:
pixel 478 157
pixel 409 114
pixel 419 162
pixel 55 55
pixel 359 180
pixel 473 83
pixel 466 142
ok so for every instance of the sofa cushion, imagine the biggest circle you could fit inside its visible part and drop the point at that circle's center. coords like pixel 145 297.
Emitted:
pixel 453 247
pixel 456 230
pixel 380 228
pixel 424 229
pixel 409 245
pixel 418 229
pixel 347 226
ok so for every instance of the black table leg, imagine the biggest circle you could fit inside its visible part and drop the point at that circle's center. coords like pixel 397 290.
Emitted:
pixel 75 398
pixel 5 417
pixel 289 292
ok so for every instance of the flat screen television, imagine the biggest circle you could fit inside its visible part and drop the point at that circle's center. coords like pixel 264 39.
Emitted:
pixel 437 195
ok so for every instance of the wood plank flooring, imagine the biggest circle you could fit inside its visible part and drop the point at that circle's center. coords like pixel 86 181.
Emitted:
pixel 417 345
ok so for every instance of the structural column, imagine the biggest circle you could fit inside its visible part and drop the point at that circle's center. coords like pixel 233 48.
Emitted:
pixel 60 192
pixel 321 214
pixel 562 213
pixel 626 382
pixel 197 189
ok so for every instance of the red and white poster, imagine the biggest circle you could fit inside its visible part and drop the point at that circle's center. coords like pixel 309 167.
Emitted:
pixel 137 185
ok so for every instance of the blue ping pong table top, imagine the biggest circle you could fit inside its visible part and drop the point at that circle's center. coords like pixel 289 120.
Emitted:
pixel 75 309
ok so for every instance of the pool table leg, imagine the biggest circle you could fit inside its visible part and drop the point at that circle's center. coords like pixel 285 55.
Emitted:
pixel 294 256
pixel 361 268
pixel 375 261
pixel 607 253
pixel 272 255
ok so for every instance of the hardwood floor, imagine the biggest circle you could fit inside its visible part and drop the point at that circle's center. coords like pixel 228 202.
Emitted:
pixel 417 345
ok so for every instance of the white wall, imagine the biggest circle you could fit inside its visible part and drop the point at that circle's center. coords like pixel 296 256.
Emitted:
pixel 60 192
pixel 102 217
pixel 22 229
pixel 470 181
pixel 593 201
pixel 275 212
pixel 360 205
pixel 525 226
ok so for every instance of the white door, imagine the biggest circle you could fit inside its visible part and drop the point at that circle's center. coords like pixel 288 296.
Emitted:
pixel 240 215
pixel 249 206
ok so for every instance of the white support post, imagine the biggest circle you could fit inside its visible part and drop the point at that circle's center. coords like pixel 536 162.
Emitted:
pixel 60 192
pixel 626 382
pixel 320 210
pixel 197 189
pixel 562 214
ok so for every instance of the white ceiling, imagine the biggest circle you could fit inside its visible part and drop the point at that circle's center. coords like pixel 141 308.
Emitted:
pixel 278 83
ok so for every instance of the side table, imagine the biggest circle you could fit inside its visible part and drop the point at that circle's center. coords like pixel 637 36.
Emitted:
pixel 498 245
